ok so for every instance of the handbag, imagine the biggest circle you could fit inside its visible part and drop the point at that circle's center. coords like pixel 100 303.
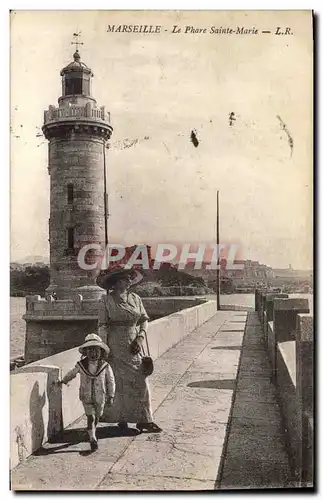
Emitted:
pixel 147 364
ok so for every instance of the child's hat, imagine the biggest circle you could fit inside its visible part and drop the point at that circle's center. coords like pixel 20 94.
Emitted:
pixel 93 340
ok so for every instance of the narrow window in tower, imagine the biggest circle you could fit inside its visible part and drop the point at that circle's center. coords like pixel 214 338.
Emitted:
pixel 70 238
pixel 70 194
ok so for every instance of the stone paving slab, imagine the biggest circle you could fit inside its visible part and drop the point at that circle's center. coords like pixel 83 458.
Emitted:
pixel 228 338
pixel 191 430
pixel 233 327
pixel 221 380
pixel 195 461
pixel 218 357
pixel 170 367
pixel 64 470
pixel 127 482
pixel 184 353
pixel 196 403
pixel 159 394
pixel 211 360
pixel 200 367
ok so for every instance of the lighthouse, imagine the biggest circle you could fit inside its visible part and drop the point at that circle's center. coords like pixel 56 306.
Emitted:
pixel 77 130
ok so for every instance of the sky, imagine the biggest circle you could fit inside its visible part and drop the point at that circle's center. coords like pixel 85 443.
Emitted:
pixel 158 87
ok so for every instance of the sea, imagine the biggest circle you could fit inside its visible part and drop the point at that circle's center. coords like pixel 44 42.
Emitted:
pixel 18 308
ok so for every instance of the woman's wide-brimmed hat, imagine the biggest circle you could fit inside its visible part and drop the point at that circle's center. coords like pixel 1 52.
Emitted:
pixel 93 340
pixel 107 278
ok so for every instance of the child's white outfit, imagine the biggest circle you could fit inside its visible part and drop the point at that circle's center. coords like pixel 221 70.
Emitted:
pixel 97 384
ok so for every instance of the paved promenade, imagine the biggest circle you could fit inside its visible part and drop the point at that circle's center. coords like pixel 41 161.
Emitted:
pixel 213 398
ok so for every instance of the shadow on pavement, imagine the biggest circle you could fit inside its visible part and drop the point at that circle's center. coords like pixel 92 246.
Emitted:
pixel 52 450
pixel 237 331
pixel 228 348
pixel 79 435
pixel 71 437
pixel 214 384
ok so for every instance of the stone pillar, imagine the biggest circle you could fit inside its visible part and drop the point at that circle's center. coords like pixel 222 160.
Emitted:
pixel 263 308
pixel 257 292
pixel 285 322
pixel 257 298
pixel 262 304
pixel 304 392
pixel 269 311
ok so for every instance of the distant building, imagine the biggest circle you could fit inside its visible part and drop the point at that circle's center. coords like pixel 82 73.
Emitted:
pixel 293 273
pixel 251 270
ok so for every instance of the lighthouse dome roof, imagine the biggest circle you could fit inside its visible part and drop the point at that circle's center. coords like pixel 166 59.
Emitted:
pixel 76 65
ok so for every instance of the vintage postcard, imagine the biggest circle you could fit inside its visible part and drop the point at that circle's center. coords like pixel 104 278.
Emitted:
pixel 161 250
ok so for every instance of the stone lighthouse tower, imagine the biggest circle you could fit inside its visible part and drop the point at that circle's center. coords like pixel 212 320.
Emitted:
pixel 77 131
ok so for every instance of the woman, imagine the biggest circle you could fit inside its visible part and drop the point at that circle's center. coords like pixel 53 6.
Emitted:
pixel 123 321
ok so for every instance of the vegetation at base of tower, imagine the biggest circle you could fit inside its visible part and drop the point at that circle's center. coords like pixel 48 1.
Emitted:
pixel 26 279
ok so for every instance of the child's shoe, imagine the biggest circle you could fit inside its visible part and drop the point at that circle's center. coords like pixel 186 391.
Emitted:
pixel 93 440
pixel 93 444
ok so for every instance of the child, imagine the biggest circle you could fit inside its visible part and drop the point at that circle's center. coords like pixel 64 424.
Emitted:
pixel 97 385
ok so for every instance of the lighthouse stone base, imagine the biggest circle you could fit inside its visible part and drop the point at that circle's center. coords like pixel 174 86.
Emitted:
pixel 53 326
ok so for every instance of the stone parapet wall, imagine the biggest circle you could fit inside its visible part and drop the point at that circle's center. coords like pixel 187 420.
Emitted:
pixel 289 342
pixel 38 307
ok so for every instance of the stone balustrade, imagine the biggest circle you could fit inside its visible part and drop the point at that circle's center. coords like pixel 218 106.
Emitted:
pixel 288 335
pixel 40 308
pixel 87 112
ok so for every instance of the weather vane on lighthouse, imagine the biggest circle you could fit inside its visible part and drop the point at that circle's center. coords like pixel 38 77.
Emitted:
pixel 76 40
